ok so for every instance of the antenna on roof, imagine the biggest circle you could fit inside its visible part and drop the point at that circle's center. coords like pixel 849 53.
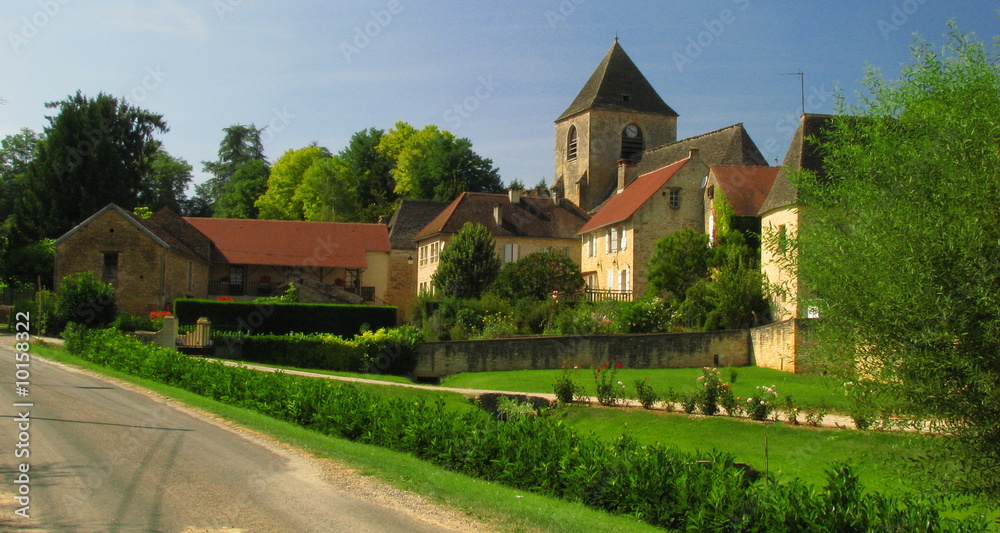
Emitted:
pixel 802 85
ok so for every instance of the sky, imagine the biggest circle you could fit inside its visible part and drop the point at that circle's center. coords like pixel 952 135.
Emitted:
pixel 497 73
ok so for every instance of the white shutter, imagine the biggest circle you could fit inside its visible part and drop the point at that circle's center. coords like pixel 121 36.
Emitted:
pixel 516 253
pixel 507 252
pixel 611 280
pixel 624 238
pixel 607 242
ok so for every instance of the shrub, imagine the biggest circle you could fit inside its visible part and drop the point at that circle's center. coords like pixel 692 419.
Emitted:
pixel 389 351
pixel 41 309
pixel 815 415
pixel 670 399
pixel 791 411
pixel 644 392
pixel 689 402
pixel 711 387
pixel 85 300
pixel 730 403
pixel 643 316
pixel 129 322
pixel 318 351
pixel 539 276
pixel 759 407
pixel 281 318
pixel 609 391
pixel 566 389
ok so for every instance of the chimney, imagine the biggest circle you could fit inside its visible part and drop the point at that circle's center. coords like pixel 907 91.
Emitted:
pixel 514 195
pixel 693 154
pixel 498 214
pixel 626 173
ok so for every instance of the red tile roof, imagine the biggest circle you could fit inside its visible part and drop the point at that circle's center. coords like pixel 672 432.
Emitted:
pixel 624 204
pixel 533 216
pixel 746 187
pixel 292 243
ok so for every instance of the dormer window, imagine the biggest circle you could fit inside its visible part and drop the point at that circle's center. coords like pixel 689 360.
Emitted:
pixel 625 98
pixel 571 144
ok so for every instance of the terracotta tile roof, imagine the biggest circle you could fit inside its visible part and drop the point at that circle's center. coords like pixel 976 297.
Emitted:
pixel 291 243
pixel 533 216
pixel 746 187
pixel 179 234
pixel 161 235
pixel 618 84
pixel 624 204
pixel 410 217
pixel 801 154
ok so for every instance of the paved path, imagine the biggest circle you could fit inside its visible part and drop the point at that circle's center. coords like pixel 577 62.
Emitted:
pixel 109 457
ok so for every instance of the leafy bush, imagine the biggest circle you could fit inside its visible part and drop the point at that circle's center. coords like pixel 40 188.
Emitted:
pixel 317 350
pixel 711 388
pixel 567 390
pixel 281 318
pixel 389 351
pixel 664 487
pixel 539 276
pixel 41 309
pixel 759 406
pixel 609 391
pixel 643 316
pixel 85 300
pixel 644 392
pixel 730 403
pixel 129 322
pixel 689 402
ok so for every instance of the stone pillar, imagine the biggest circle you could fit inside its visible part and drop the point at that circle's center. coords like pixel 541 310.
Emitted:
pixel 167 336
pixel 203 332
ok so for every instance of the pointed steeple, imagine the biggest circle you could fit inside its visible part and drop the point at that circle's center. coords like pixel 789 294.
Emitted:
pixel 617 84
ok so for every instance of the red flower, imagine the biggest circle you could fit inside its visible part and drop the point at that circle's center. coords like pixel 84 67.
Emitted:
pixel 619 365
pixel 224 299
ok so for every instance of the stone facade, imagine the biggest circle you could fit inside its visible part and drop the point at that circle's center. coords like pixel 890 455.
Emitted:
pixel 402 282
pixel 779 345
pixel 669 350
pixel 588 177
pixel 781 279
pixel 146 274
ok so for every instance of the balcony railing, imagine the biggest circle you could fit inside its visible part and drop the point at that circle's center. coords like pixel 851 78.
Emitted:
pixel 600 295
pixel 255 289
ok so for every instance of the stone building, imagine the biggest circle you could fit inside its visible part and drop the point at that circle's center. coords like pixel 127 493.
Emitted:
pixel 151 262
pixel 409 218
pixel 521 223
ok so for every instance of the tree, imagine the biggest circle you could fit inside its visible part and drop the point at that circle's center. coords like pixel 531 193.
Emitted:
pixel 435 165
pixel 899 246
pixel 326 194
pixel 369 176
pixel 16 152
pixel 95 152
pixel 240 145
pixel 85 300
pixel 538 276
pixel 679 260
pixel 244 187
pixel 469 264
pixel 166 183
pixel 281 200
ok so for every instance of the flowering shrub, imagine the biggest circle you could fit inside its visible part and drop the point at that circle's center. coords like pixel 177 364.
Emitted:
pixel 644 391
pixel 609 391
pixel 759 407
pixel 225 299
pixel 711 388
pixel 730 402
pixel 566 389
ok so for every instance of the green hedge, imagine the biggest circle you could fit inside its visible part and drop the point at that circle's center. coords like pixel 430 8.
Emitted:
pixel 281 318
pixel 385 351
pixel 661 486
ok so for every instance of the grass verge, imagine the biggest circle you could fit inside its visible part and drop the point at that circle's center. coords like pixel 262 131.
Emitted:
pixel 501 507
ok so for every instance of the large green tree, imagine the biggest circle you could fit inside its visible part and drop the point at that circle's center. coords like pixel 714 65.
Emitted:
pixel 900 246
pixel 16 152
pixel 241 145
pixel 468 264
pixel 432 164
pixel 538 276
pixel 280 201
pixel 166 183
pixel 95 151
pixel 679 260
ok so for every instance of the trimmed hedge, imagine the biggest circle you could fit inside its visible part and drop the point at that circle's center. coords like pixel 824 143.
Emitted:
pixel 386 351
pixel 664 487
pixel 282 318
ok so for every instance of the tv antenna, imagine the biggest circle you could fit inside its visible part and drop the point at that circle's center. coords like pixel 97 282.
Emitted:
pixel 802 85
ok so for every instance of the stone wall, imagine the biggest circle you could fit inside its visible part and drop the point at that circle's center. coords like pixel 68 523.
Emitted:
pixel 671 350
pixel 778 345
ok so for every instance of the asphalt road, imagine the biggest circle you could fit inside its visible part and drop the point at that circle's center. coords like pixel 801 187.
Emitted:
pixel 105 457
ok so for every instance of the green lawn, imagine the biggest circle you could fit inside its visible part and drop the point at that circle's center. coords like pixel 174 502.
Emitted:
pixel 805 389
pixel 376 377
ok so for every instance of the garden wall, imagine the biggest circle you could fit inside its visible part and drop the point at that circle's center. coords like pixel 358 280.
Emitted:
pixel 778 345
pixel 670 350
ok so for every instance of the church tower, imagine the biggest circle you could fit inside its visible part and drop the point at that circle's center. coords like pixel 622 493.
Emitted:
pixel 616 116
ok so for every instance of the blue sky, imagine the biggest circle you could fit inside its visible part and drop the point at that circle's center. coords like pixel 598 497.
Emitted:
pixel 495 72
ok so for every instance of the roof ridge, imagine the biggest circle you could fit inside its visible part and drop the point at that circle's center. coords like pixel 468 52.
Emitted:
pixel 693 137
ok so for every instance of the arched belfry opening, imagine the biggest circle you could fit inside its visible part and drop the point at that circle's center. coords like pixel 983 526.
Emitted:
pixel 632 142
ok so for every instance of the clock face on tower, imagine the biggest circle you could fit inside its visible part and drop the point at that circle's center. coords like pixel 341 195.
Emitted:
pixel 632 131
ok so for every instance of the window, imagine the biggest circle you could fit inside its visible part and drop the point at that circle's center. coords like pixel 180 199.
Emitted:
pixel 591 245
pixel 632 142
pixel 782 239
pixel 710 192
pixel 110 265
pixel 613 238
pixel 423 255
pixel 434 252
pixel 236 275
pixel 625 280
pixel 675 198
pixel 571 144
pixel 510 252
